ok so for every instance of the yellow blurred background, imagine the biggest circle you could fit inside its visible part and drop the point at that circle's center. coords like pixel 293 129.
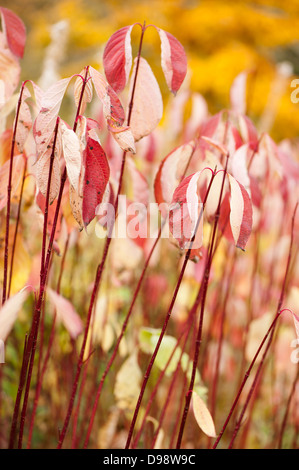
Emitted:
pixel 221 38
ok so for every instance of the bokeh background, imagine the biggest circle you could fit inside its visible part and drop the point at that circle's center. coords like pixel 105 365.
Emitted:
pixel 221 38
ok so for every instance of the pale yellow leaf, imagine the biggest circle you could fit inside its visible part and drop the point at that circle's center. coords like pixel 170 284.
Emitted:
pixel 203 416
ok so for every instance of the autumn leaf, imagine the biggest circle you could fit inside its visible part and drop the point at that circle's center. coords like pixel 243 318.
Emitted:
pixel 238 93
pixel 112 107
pixel 173 60
pixel 127 385
pixel 96 178
pixel 14 30
pixel 72 154
pixel 187 202
pixel 148 104
pixel 9 312
pixel 18 168
pixel 117 58
pixel 203 416
pixel 170 172
pixel 66 313
pixel 88 91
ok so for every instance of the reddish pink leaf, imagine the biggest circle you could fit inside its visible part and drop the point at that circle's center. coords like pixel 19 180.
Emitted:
pixel 14 30
pixel 117 58
pixel 96 178
pixel 112 107
pixel 173 60
pixel 235 222
pixel 184 212
pixel 41 202
pixel 66 313
pixel 240 213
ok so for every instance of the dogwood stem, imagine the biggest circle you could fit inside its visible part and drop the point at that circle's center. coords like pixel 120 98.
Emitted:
pixel 264 339
pixel 201 316
pixel 16 230
pixel 168 315
pixel 100 267
pixel 37 310
pixel 12 149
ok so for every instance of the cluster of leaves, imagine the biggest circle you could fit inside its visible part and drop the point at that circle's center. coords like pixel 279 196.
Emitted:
pixel 219 183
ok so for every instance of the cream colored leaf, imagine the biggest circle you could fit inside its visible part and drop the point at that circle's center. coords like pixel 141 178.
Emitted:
pixel 42 176
pixel 127 386
pixel 203 416
pixel 18 168
pixel 72 154
pixel 9 312
pixel 148 104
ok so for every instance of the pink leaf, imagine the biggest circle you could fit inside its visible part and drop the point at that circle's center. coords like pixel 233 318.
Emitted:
pixel 41 202
pixel 117 58
pixel 185 210
pixel 14 30
pixel 18 168
pixel 240 214
pixel 10 71
pixel 238 93
pixel 173 60
pixel 112 107
pixel 66 313
pixel 9 312
pixel 170 172
pixel 148 105
pixel 96 178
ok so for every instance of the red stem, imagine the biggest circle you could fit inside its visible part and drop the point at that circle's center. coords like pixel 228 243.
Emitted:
pixel 100 268
pixel 265 337
pixel 5 271
pixel 16 230
pixel 33 334
pixel 47 356
pixel 282 294
pixel 168 315
pixel 285 417
pixel 37 311
pixel 203 300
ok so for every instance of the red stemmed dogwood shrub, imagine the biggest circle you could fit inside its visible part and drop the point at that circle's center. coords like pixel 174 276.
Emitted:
pixel 149 259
